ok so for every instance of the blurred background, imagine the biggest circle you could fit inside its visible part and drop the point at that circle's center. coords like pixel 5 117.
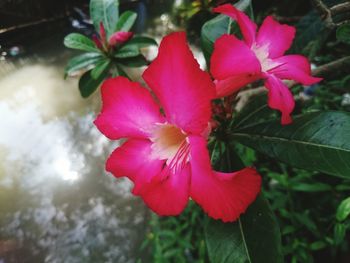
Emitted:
pixel 57 204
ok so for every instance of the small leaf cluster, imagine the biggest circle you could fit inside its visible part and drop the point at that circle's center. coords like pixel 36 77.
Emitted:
pixel 106 54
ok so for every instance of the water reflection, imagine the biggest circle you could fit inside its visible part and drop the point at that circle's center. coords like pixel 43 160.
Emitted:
pixel 57 204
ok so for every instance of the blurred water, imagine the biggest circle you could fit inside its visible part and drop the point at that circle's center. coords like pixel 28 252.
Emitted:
pixel 57 204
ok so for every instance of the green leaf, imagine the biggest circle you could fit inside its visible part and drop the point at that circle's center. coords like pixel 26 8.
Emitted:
pixel 216 27
pixel 126 21
pixel 343 33
pixel 343 210
pixel 137 61
pixel 87 85
pixel 82 61
pixel 317 141
pixel 79 41
pixel 118 71
pixel 107 12
pixel 100 67
pixel 339 233
pixel 317 245
pixel 140 42
pixel 127 52
pixel 254 238
pixel 312 187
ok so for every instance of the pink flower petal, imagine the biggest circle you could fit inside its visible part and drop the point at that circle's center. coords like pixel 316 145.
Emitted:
pixel 169 196
pixel 294 67
pixel 233 84
pixel 120 38
pixel 279 97
pixel 102 33
pixel 184 90
pixel 223 196
pixel 133 160
pixel 231 57
pixel 275 36
pixel 97 42
pixel 128 110
pixel 247 26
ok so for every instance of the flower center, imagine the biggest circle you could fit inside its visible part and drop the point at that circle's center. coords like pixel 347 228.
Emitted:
pixel 170 143
pixel 168 140
pixel 262 54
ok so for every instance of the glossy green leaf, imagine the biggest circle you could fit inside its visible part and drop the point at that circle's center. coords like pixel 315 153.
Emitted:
pixel 343 33
pixel 79 41
pixel 107 12
pixel 87 85
pixel 339 233
pixel 343 210
pixel 100 67
pixel 137 61
pixel 82 61
pixel 254 238
pixel 127 52
pixel 216 27
pixel 317 141
pixel 312 187
pixel 140 42
pixel 126 21
pixel 117 70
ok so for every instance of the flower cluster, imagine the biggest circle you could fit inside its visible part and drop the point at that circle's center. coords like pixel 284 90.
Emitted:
pixel 165 153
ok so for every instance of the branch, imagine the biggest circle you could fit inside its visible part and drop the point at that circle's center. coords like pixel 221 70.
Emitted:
pixel 334 66
pixel 340 8
pixel 326 13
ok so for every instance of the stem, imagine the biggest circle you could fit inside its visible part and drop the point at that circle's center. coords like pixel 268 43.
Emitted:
pixel 334 66
pixel 340 8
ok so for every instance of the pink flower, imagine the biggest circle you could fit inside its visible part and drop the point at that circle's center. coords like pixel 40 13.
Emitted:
pixel 116 38
pixel 165 154
pixel 120 37
pixel 236 63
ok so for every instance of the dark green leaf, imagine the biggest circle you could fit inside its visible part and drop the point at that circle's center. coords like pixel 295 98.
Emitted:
pixel 254 111
pixel 312 187
pixel 118 71
pixel 126 21
pixel 255 238
pixel 141 42
pixel 339 233
pixel 316 141
pixel 79 41
pixel 343 210
pixel 127 51
pixel 138 61
pixel 216 27
pixel 318 245
pixel 107 12
pixel 343 33
pixel 100 67
pixel 82 61
pixel 87 85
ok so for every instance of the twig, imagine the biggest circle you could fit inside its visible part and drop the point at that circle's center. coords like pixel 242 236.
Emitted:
pixel 46 20
pixel 326 12
pixel 340 8
pixel 334 66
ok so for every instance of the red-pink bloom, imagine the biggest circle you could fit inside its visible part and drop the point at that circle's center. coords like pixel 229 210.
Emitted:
pixel 120 37
pixel 102 33
pixel 236 63
pixel 166 153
